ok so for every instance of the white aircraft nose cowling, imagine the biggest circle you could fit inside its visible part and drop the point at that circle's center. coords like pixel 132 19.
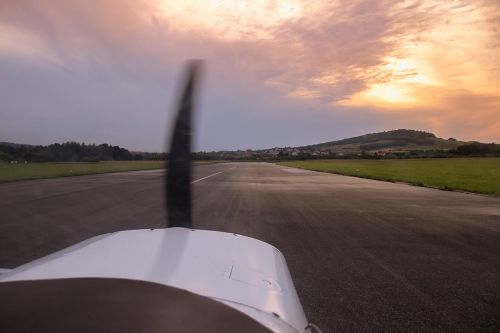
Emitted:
pixel 244 273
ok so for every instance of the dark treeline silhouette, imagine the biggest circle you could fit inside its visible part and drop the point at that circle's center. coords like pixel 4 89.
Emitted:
pixel 478 149
pixel 72 152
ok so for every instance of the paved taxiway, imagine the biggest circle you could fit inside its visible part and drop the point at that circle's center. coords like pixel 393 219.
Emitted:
pixel 365 255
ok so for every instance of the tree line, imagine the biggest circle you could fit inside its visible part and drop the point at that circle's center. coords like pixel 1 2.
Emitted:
pixel 478 149
pixel 72 152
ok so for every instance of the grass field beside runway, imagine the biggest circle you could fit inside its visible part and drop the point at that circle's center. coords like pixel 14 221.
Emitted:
pixel 14 172
pixel 480 175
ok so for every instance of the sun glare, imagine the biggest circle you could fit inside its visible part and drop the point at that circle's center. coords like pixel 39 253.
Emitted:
pixel 391 93
pixel 398 82
pixel 405 70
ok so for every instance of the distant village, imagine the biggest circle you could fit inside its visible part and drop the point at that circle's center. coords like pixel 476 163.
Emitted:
pixel 289 153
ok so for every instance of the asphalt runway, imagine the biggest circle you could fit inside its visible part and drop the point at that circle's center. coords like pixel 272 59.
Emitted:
pixel 365 255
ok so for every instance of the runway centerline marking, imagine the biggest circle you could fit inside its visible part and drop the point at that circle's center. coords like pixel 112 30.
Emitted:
pixel 214 174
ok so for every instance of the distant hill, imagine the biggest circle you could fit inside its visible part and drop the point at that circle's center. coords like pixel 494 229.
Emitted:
pixel 14 145
pixel 401 140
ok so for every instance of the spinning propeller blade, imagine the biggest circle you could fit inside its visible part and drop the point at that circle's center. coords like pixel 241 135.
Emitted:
pixel 178 179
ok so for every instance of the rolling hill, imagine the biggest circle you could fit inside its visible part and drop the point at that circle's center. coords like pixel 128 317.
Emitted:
pixel 401 140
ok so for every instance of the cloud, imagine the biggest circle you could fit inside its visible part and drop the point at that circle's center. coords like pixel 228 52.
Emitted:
pixel 294 72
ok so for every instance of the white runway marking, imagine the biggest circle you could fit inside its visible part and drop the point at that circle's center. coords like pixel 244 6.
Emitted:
pixel 214 174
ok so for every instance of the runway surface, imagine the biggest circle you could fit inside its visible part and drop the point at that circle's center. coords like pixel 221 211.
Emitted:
pixel 365 255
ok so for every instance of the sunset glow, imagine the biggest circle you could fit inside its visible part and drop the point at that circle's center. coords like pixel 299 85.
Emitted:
pixel 321 67
pixel 229 19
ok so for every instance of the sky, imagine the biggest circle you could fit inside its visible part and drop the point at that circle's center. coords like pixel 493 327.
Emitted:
pixel 276 73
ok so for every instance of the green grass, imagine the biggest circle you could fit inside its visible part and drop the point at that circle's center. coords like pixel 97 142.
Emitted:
pixel 480 175
pixel 14 172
